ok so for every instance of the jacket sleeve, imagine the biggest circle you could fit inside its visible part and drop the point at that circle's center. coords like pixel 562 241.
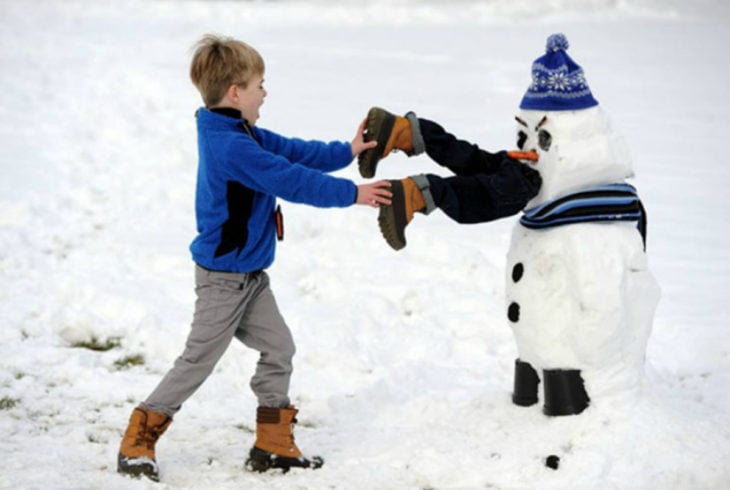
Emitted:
pixel 326 157
pixel 273 174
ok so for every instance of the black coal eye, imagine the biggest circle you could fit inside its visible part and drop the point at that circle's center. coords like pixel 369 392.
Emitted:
pixel 521 138
pixel 544 139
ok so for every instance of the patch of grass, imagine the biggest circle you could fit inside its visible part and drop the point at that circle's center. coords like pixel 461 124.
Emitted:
pixel 95 438
pixel 129 361
pixel 6 403
pixel 245 428
pixel 307 424
pixel 99 345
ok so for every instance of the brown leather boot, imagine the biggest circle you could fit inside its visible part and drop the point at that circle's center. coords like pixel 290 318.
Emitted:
pixel 391 132
pixel 275 447
pixel 137 451
pixel 407 199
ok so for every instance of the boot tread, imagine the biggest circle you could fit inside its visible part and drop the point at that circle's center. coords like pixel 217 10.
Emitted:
pixel 392 219
pixel 379 126
pixel 260 461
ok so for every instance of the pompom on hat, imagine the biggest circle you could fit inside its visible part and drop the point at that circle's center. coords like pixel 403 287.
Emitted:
pixel 558 82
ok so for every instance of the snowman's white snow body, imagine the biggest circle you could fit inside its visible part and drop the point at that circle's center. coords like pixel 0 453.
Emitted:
pixel 580 296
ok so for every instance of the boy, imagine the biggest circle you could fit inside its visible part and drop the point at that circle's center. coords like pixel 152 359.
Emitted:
pixel 241 171
pixel 487 186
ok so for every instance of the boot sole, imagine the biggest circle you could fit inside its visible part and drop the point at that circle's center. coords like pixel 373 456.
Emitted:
pixel 261 461
pixel 379 126
pixel 137 470
pixel 392 219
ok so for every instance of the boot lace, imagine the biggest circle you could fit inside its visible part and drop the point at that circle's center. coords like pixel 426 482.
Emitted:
pixel 148 436
pixel 294 421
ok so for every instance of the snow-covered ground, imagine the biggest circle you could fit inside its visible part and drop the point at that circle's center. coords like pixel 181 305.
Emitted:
pixel 404 365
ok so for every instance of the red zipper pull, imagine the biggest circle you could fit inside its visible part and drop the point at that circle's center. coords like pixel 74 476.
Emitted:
pixel 279 223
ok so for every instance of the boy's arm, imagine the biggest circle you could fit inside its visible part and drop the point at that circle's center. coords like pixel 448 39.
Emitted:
pixel 272 174
pixel 318 155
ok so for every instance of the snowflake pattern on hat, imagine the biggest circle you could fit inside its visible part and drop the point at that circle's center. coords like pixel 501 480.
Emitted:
pixel 558 82
pixel 547 82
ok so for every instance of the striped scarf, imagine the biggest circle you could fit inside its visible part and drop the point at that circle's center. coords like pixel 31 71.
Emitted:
pixel 613 202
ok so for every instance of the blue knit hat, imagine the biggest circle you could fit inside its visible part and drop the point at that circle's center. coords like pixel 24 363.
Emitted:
pixel 558 83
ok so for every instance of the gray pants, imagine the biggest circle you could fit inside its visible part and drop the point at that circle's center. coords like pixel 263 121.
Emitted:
pixel 230 305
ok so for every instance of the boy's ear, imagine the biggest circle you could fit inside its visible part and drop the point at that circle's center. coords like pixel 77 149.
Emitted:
pixel 232 92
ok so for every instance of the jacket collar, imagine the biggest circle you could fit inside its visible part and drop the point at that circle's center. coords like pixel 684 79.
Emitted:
pixel 227 111
pixel 222 116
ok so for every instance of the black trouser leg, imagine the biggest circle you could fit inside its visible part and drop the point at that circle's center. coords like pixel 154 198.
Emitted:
pixel 481 198
pixel 459 156
pixel 487 186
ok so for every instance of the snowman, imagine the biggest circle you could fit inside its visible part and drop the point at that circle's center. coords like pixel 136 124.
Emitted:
pixel 580 296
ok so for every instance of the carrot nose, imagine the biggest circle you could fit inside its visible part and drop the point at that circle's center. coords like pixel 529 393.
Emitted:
pixel 524 155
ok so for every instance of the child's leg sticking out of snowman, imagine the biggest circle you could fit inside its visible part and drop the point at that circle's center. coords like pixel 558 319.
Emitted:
pixel 486 186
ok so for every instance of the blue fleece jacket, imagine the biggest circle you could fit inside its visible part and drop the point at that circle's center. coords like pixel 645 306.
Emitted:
pixel 241 171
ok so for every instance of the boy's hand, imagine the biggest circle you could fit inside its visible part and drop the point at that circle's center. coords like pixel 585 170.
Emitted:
pixel 374 194
pixel 358 143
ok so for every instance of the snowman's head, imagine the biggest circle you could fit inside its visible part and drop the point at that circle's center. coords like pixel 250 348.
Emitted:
pixel 577 150
pixel 561 120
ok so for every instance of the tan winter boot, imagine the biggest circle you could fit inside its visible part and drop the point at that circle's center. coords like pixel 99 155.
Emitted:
pixel 275 447
pixel 137 451
pixel 407 199
pixel 392 133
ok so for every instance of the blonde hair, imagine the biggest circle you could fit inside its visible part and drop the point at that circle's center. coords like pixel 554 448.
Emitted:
pixel 219 62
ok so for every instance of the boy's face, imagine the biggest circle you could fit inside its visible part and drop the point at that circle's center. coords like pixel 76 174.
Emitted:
pixel 249 100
